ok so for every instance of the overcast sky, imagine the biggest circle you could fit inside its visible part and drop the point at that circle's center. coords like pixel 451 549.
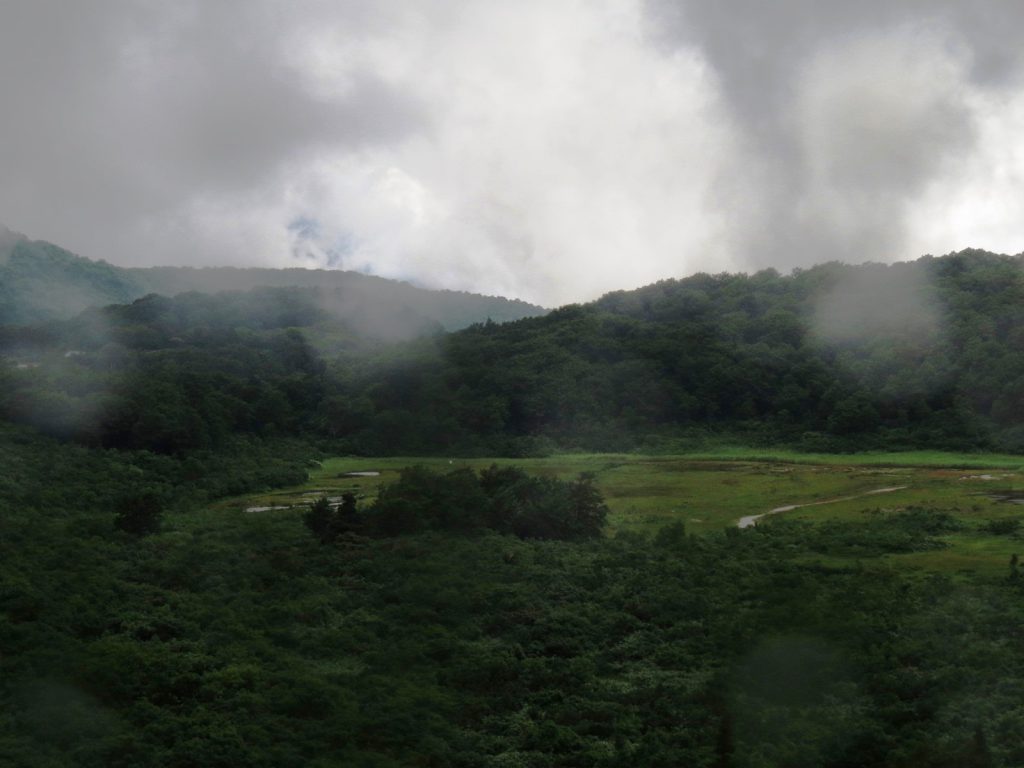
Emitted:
pixel 545 149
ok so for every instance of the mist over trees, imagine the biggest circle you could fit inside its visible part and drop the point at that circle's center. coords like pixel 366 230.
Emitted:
pixel 749 355
pixel 835 357
pixel 41 282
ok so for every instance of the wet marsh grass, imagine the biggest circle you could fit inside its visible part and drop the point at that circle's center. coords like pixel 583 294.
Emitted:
pixel 709 493
pixel 938 459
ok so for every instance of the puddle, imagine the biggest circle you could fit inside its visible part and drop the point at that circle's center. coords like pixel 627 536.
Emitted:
pixel 1009 497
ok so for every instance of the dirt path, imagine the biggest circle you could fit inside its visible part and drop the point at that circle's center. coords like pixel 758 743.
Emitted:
pixel 751 520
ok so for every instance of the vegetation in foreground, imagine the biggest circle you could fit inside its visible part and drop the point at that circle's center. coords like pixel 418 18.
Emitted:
pixel 237 638
pixel 145 620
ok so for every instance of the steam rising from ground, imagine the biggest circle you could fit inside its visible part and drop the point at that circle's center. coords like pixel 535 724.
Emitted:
pixel 893 311
pixel 546 150
pixel 876 301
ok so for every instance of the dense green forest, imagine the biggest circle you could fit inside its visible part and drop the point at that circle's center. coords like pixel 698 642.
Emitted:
pixel 484 619
pixel 923 354
pixel 228 639
pixel 751 355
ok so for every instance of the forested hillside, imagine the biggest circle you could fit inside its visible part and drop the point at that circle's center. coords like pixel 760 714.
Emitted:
pixel 173 375
pixel 375 304
pixel 925 354
pixel 41 282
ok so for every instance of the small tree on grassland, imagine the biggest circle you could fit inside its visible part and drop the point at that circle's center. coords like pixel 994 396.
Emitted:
pixel 319 520
pixel 502 499
pixel 327 524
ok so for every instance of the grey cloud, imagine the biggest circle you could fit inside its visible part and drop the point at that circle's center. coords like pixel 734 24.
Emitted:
pixel 875 119
pixel 546 149
pixel 117 112
pixel 833 178
pixel 229 109
pixel 758 49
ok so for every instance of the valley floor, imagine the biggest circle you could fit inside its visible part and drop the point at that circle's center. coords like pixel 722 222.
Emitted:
pixel 878 630
pixel 711 491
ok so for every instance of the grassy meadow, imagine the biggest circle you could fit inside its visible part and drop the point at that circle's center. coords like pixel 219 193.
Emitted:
pixel 710 492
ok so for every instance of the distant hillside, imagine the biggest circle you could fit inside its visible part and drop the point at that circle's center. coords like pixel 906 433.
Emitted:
pixel 40 282
pixel 836 357
pixel 352 294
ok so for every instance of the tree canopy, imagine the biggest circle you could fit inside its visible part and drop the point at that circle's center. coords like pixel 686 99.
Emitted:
pixel 812 360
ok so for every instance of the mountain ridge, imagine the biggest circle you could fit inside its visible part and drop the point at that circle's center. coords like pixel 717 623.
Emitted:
pixel 40 281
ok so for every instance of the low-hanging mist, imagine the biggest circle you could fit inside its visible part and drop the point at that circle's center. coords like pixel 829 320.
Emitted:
pixel 922 354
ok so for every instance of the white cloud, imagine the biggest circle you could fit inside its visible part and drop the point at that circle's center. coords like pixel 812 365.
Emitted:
pixel 564 156
pixel 979 201
pixel 876 118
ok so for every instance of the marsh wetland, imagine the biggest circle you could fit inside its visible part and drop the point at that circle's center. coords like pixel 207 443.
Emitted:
pixel 708 493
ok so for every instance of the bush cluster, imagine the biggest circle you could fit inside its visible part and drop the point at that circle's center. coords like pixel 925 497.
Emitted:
pixel 499 499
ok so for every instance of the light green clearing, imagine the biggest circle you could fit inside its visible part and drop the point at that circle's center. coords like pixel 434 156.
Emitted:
pixel 710 492
pixel 869 458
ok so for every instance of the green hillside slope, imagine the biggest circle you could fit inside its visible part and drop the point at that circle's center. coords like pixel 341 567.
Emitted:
pixel 926 354
pixel 40 281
